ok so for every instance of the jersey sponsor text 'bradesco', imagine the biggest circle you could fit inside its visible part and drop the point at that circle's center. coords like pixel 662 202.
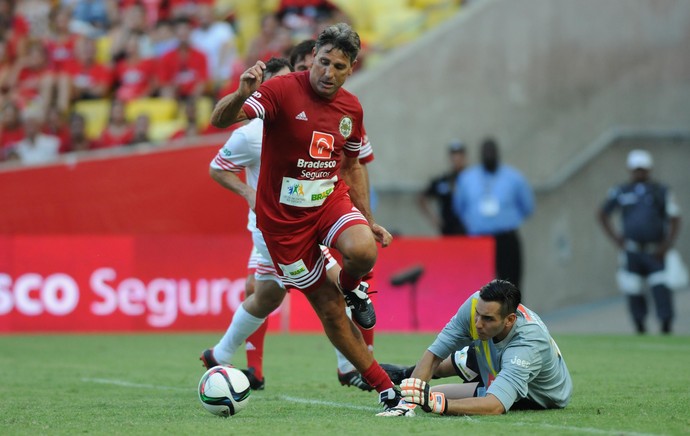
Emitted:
pixel 316 182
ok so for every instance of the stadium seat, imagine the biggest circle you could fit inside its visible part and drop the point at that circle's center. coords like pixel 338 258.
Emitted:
pixel 158 109
pixel 95 113
pixel 162 130
pixel 103 45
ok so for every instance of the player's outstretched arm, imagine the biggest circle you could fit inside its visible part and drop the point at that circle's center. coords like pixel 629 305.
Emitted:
pixel 416 391
pixel 228 110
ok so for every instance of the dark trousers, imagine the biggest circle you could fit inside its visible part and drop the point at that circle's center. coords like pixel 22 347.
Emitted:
pixel 508 259
pixel 645 264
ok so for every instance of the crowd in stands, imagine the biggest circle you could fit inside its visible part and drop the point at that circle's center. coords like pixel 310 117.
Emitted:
pixel 80 75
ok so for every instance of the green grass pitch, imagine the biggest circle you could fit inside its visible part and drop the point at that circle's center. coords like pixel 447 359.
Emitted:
pixel 146 384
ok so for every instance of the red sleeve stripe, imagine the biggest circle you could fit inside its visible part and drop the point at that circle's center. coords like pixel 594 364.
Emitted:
pixel 366 153
pixel 353 146
pixel 228 165
pixel 257 107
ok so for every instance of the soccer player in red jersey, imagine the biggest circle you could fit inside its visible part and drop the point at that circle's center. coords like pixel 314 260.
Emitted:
pixel 313 189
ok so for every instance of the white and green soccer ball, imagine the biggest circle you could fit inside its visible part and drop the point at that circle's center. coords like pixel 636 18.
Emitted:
pixel 224 391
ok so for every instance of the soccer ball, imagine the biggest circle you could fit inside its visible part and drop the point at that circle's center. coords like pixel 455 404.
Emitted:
pixel 224 390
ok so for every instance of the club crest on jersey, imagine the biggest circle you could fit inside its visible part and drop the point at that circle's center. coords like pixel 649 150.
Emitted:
pixel 322 145
pixel 345 126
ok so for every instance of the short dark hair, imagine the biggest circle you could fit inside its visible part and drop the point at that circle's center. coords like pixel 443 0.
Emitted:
pixel 503 292
pixel 274 65
pixel 301 50
pixel 343 38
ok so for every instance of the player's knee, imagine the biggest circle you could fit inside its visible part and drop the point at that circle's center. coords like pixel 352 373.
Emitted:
pixel 269 295
pixel 359 256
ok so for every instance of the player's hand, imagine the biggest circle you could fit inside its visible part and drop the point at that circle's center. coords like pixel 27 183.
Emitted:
pixel 382 235
pixel 252 78
pixel 416 391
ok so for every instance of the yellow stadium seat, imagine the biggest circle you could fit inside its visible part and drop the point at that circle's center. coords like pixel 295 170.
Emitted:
pixel 95 113
pixel 103 45
pixel 158 109
pixel 161 131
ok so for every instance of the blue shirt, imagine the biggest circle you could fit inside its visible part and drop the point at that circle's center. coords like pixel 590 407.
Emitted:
pixel 491 203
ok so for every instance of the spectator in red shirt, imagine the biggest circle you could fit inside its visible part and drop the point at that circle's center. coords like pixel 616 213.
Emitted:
pixel 183 72
pixel 135 76
pixel 119 131
pixel 15 27
pixel 84 77
pixel 60 41
pixel 32 81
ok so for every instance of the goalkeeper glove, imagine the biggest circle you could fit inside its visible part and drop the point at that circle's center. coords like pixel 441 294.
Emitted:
pixel 416 391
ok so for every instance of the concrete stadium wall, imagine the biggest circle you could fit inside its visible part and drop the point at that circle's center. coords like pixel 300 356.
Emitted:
pixel 546 78
pixel 568 258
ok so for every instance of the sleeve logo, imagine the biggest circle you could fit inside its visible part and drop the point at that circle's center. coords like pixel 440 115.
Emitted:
pixel 321 146
pixel 345 126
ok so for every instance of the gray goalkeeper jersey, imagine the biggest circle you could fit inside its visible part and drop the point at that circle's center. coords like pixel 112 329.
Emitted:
pixel 525 364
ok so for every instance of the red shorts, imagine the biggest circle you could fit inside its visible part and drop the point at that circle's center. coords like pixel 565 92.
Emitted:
pixel 296 253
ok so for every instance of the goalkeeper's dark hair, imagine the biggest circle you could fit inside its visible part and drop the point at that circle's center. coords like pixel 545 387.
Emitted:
pixel 302 50
pixel 504 293
pixel 274 65
pixel 343 38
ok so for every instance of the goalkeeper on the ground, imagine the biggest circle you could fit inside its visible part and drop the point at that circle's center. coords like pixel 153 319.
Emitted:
pixel 507 360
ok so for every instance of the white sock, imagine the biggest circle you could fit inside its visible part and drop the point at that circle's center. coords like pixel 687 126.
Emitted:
pixel 344 365
pixel 243 324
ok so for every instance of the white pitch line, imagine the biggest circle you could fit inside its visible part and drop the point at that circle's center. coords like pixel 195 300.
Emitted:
pixel 126 384
pixel 328 404
pixel 474 420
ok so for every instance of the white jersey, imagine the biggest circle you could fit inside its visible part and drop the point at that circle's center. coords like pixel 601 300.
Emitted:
pixel 242 152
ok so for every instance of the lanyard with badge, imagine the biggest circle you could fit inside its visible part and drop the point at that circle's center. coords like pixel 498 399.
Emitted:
pixel 488 204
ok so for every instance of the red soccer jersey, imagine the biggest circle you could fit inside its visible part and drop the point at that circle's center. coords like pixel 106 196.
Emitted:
pixel 134 79
pixel 30 83
pixel 86 76
pixel 183 70
pixel 305 136
pixel 60 52
pixel 111 139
